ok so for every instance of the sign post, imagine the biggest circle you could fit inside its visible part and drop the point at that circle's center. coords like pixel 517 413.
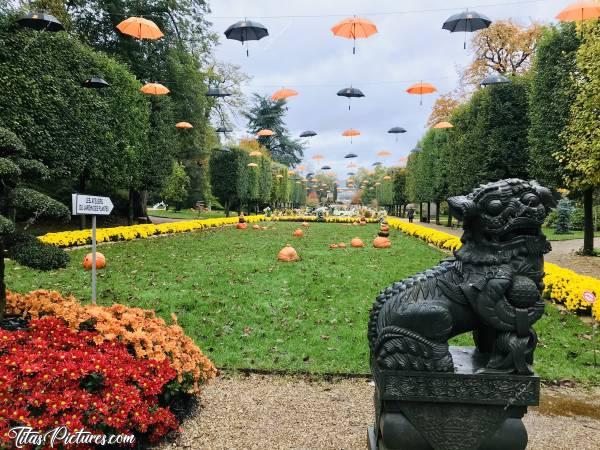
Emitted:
pixel 92 205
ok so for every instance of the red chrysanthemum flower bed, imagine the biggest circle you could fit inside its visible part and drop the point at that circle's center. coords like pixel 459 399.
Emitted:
pixel 53 376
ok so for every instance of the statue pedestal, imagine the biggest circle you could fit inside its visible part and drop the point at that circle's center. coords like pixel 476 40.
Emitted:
pixel 462 410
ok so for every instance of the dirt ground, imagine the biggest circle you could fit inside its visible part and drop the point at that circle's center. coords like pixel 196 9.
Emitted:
pixel 284 412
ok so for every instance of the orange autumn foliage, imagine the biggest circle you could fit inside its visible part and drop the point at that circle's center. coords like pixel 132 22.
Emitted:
pixel 148 335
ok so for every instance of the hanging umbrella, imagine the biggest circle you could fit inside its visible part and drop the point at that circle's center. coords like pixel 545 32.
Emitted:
pixel 442 125
pixel 387 178
pixel 350 155
pixel 351 173
pixel 580 11
pixel 350 93
pixel 40 21
pixel 246 30
pixel 255 153
pixel 354 28
pixel 223 130
pixel 140 28
pixel 396 131
pixel 351 133
pixel 416 150
pixel 308 175
pixel 224 150
pixel 420 89
pixel 217 92
pixel 283 93
pixel 384 154
pixel 377 163
pixel 351 165
pixel 467 21
pixel 265 132
pixel 95 83
pixel 185 125
pixel 154 89
pixel 403 159
pixel 301 167
pixel 325 168
pixel 494 78
pixel 252 165
pixel 308 133
pixel 318 157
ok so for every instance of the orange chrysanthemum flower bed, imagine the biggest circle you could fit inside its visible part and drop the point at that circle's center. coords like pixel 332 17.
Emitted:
pixel 147 335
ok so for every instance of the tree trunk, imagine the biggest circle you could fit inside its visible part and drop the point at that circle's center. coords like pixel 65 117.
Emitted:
pixel 421 212
pixel 2 285
pixel 449 220
pixel 428 212
pixel 226 206
pixel 588 222
pixel 130 208
pixel 437 212
pixel 140 204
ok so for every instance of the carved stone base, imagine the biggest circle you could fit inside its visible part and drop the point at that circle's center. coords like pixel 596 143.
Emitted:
pixel 462 410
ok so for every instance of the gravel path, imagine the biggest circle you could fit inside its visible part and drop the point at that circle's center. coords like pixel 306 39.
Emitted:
pixel 284 412
pixel 563 252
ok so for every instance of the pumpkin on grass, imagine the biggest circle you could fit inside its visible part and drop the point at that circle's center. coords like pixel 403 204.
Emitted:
pixel 382 242
pixel 241 225
pixel 288 254
pixel 341 245
pixel 333 246
pixel 256 227
pixel 305 224
pixel 100 261
pixel 357 243
pixel 298 233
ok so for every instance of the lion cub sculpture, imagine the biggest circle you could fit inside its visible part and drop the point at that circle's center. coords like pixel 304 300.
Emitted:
pixel 492 286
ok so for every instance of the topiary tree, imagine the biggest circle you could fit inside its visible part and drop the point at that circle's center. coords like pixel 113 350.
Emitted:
pixel 16 168
pixel 564 209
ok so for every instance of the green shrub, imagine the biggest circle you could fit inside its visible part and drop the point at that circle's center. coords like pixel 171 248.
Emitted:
pixel 29 251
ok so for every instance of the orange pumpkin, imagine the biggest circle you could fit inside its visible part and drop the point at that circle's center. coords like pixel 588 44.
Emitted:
pixel 355 223
pixel 298 233
pixel 333 246
pixel 341 245
pixel 241 226
pixel 256 227
pixel 382 242
pixel 288 254
pixel 357 242
pixel 385 228
pixel 100 261
pixel 305 224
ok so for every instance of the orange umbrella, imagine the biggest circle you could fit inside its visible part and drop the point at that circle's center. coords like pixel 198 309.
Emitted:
pixel 301 167
pixel 265 132
pixel 354 28
pixel 443 125
pixel 154 89
pixel 583 10
pixel 420 89
pixel 318 157
pixel 351 132
pixel 252 165
pixel 384 154
pixel 283 93
pixel 184 125
pixel 255 153
pixel 387 177
pixel 140 28
pixel 351 165
pixel 403 159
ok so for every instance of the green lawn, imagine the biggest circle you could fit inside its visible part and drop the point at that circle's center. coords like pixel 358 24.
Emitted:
pixel 185 214
pixel 246 309
pixel 576 234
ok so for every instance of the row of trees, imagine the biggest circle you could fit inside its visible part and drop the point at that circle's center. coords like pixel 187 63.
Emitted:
pixel 544 124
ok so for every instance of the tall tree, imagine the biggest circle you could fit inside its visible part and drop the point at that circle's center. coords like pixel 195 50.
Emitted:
pixel 270 114
pixel 551 96
pixel 582 135
pixel 504 47
pixel 443 108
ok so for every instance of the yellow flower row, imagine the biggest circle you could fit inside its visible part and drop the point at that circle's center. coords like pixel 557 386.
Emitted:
pixel 562 285
pixel 329 219
pixel 128 233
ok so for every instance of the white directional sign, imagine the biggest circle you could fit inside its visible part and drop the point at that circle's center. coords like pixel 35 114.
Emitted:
pixel 91 205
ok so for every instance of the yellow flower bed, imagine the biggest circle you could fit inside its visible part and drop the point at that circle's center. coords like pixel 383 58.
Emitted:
pixel 329 219
pixel 562 285
pixel 128 233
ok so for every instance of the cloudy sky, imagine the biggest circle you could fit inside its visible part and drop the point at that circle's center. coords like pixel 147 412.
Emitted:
pixel 302 54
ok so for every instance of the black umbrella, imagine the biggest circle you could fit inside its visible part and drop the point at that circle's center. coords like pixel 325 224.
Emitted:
pixel 377 163
pixel 396 131
pixel 246 30
pixel 310 174
pixel 325 168
pixel 494 78
pixel 350 155
pixel 416 150
pixel 467 21
pixel 40 21
pixel 217 92
pixel 308 133
pixel 95 83
pixel 351 173
pixel 223 130
pixel 350 93
pixel 223 149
